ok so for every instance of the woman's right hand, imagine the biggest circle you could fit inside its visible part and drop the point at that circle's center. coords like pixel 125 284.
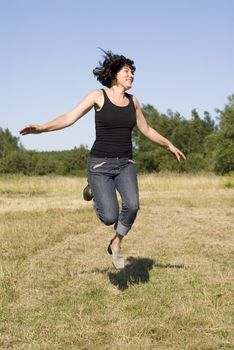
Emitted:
pixel 31 129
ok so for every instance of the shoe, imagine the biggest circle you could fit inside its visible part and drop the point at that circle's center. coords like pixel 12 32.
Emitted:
pixel 87 193
pixel 118 260
pixel 117 257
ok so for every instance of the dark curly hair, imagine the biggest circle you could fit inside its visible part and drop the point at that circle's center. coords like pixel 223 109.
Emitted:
pixel 111 65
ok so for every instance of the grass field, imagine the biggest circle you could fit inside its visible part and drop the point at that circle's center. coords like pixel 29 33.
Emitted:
pixel 58 289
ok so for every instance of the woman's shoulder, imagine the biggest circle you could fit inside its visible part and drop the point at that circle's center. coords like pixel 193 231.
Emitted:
pixel 96 92
pixel 134 99
pixel 97 97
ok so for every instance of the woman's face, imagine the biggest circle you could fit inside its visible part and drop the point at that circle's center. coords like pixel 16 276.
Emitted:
pixel 124 77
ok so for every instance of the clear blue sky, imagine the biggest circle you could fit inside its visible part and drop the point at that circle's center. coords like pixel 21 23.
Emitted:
pixel 183 51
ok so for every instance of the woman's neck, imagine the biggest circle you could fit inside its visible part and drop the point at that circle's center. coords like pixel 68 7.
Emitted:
pixel 117 91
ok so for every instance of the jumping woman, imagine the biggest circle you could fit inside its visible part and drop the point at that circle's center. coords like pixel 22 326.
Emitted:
pixel 111 166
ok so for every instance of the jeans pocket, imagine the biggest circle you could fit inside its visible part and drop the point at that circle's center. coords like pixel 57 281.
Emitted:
pixel 98 165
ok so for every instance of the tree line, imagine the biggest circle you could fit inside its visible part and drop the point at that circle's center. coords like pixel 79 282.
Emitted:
pixel 207 142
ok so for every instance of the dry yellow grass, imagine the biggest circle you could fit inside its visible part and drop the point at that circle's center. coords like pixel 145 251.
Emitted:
pixel 59 291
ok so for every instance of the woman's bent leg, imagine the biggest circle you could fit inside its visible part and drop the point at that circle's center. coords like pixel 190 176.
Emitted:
pixel 105 199
pixel 127 186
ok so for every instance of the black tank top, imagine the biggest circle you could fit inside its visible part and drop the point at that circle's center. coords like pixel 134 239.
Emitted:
pixel 114 126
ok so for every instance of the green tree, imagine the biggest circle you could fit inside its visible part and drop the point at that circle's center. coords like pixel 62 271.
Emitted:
pixel 224 153
pixel 14 162
pixel 187 134
pixel 8 142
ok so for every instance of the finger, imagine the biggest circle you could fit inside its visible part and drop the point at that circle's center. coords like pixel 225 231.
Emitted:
pixel 181 154
pixel 22 132
pixel 26 130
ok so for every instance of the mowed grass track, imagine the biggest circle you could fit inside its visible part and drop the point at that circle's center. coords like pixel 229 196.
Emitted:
pixel 58 289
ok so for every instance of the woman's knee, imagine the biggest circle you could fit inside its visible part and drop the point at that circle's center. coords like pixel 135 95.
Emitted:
pixel 133 209
pixel 109 218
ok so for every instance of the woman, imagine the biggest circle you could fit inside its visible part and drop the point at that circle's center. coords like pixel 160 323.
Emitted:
pixel 110 165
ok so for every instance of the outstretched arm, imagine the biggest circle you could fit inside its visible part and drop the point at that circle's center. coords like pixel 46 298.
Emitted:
pixel 152 134
pixel 67 119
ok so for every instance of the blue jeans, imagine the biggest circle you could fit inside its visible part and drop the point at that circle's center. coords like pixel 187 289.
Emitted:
pixel 105 176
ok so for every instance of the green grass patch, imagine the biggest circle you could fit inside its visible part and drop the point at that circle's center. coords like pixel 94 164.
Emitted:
pixel 58 289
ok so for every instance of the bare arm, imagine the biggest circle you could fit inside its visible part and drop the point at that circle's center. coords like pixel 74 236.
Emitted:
pixel 152 134
pixel 67 119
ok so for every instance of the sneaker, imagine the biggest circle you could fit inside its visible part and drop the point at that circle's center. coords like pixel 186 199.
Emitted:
pixel 118 260
pixel 87 193
pixel 117 257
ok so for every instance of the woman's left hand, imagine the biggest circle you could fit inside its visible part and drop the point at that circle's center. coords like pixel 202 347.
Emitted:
pixel 176 152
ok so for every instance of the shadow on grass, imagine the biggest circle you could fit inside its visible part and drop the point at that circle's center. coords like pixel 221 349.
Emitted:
pixel 136 271
pixel 170 266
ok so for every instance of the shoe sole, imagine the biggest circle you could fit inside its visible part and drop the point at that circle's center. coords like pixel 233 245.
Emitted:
pixel 87 194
